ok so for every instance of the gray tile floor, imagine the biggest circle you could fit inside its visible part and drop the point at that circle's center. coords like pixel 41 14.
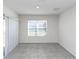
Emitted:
pixel 39 51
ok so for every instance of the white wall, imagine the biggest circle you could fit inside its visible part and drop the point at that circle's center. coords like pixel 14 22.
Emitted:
pixel 11 37
pixel 52 33
pixel 67 30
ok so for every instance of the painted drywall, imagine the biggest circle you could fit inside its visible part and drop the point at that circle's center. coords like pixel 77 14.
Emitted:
pixel 11 31
pixel 67 30
pixel 52 31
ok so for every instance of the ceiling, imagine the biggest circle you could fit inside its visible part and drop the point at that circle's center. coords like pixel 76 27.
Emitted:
pixel 45 6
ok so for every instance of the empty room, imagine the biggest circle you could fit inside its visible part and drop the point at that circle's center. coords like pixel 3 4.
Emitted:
pixel 39 29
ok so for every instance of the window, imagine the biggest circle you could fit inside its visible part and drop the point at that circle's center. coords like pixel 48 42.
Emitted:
pixel 37 27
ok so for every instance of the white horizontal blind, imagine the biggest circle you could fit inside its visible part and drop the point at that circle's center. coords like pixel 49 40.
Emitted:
pixel 37 27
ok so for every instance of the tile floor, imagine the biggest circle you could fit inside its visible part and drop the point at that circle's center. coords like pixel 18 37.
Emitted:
pixel 39 51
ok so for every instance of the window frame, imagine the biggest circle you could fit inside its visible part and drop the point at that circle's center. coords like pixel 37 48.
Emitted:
pixel 38 27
